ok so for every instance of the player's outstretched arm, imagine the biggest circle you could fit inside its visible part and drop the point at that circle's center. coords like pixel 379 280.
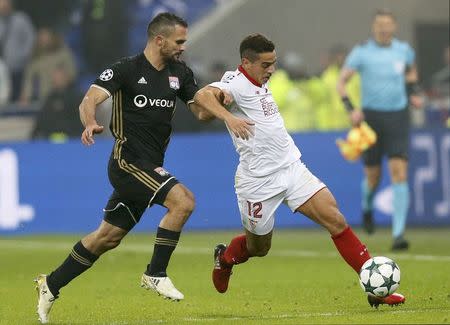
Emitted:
pixel 200 113
pixel 211 99
pixel 91 100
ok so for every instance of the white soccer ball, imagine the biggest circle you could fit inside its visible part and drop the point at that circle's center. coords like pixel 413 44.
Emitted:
pixel 379 276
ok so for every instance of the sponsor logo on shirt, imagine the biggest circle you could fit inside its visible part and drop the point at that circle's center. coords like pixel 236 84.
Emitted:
pixel 269 107
pixel 141 101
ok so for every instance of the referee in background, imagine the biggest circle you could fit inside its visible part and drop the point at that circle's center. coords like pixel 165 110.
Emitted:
pixel 144 90
pixel 389 83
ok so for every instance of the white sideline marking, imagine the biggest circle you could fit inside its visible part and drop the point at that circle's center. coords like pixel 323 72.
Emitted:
pixel 141 248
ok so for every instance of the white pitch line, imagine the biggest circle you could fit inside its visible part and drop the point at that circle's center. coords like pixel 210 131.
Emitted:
pixel 293 316
pixel 261 317
pixel 142 248
pixel 265 317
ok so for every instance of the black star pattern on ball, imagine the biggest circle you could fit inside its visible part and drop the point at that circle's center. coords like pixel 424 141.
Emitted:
pixel 388 282
pixel 368 288
pixel 373 268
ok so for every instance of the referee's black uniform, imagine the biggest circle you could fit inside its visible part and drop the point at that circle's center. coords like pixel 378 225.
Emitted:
pixel 143 106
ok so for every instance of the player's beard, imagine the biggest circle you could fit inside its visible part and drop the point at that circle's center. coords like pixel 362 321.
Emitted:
pixel 176 57
pixel 169 56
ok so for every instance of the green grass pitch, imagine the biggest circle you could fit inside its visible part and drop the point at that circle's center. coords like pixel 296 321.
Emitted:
pixel 302 280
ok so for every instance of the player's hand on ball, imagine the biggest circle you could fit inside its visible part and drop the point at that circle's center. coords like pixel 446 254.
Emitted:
pixel 87 137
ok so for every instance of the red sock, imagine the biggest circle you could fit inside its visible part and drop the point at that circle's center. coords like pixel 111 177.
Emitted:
pixel 236 252
pixel 351 249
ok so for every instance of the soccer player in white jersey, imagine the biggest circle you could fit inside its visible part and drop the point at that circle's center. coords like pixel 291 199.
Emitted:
pixel 270 171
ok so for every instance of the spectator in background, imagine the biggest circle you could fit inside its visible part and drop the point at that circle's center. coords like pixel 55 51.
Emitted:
pixel 39 11
pixel 49 53
pixel 288 86
pixel 299 96
pixel 440 81
pixel 5 83
pixel 58 118
pixel 16 42
pixel 104 32
pixel 440 90
pixel 334 116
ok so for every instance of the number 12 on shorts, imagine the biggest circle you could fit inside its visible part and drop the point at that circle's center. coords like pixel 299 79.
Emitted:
pixel 254 209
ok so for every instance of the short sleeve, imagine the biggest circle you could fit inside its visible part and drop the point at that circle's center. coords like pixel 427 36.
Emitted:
pixel 410 55
pixel 226 83
pixel 353 60
pixel 188 87
pixel 111 79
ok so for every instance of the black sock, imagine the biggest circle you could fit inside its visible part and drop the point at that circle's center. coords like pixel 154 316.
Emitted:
pixel 165 243
pixel 79 260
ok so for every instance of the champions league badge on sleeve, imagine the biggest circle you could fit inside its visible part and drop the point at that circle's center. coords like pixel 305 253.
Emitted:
pixel 174 83
pixel 106 75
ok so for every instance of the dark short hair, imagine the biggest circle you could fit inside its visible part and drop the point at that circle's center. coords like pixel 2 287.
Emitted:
pixel 255 44
pixel 384 12
pixel 163 24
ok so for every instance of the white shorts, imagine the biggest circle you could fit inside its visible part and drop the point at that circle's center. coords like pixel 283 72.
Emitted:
pixel 259 197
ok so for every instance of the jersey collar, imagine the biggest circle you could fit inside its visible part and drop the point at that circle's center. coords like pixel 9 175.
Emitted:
pixel 151 67
pixel 375 43
pixel 253 81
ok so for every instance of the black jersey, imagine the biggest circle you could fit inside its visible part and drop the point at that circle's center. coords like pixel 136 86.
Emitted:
pixel 144 102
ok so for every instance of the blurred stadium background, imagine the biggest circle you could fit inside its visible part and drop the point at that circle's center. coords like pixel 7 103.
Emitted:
pixel 51 184
pixel 44 167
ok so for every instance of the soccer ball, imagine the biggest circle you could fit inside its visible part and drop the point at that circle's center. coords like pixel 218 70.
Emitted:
pixel 379 276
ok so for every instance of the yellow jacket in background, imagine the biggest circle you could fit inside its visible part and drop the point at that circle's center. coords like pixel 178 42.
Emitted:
pixel 334 116
pixel 293 101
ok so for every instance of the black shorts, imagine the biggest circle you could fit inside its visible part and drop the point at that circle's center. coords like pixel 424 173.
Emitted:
pixel 392 129
pixel 137 185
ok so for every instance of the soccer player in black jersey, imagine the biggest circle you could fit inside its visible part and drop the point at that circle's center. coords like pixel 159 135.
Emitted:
pixel 144 90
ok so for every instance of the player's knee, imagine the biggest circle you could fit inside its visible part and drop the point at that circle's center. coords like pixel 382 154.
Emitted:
pixel 190 202
pixel 260 250
pixel 185 205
